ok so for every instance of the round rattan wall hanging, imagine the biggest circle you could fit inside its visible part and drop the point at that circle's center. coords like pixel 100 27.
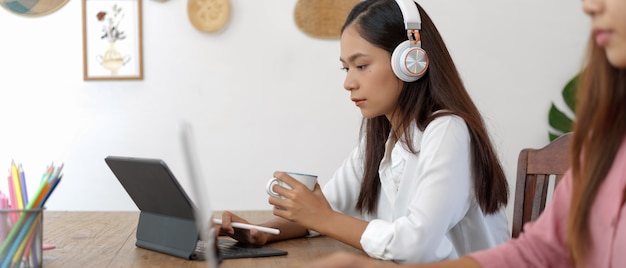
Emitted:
pixel 208 15
pixel 322 18
pixel 32 8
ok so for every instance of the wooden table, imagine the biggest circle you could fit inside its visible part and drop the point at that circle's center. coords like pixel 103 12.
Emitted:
pixel 107 239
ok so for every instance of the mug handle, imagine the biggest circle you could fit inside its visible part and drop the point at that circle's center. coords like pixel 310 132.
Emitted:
pixel 268 187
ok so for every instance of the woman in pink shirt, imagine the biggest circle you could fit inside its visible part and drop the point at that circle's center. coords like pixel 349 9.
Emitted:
pixel 585 223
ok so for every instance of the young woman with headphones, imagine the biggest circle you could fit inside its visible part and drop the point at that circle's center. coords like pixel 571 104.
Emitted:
pixel 585 223
pixel 425 183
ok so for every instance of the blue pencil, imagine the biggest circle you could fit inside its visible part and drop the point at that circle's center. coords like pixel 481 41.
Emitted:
pixel 54 185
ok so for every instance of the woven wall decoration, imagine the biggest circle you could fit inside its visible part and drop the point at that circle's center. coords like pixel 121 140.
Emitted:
pixel 32 8
pixel 322 18
pixel 208 15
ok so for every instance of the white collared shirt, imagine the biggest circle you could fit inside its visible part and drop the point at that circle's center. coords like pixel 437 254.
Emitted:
pixel 426 210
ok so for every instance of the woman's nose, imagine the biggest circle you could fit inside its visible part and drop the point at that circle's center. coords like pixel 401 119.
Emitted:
pixel 592 7
pixel 349 83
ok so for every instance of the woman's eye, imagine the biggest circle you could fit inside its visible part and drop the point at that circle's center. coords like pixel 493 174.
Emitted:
pixel 358 67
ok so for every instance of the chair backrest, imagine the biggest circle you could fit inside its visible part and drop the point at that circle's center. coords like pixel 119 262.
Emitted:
pixel 535 167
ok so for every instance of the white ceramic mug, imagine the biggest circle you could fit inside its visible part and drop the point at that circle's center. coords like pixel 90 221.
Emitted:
pixel 306 179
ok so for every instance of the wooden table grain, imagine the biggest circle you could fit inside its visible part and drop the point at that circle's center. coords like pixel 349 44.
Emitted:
pixel 107 239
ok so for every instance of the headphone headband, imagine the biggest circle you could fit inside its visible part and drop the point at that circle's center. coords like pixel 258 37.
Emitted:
pixel 411 16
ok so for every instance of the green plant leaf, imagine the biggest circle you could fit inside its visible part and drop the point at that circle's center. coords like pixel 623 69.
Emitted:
pixel 553 135
pixel 559 120
pixel 569 93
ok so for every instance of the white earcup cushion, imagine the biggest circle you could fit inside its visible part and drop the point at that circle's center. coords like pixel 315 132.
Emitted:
pixel 409 63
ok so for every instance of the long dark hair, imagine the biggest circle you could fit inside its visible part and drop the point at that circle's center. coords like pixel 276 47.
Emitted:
pixel 380 22
pixel 599 129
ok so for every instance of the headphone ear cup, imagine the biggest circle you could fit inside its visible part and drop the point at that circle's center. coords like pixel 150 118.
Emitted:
pixel 409 63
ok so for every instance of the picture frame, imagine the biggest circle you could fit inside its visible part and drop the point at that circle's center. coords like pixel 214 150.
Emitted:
pixel 112 40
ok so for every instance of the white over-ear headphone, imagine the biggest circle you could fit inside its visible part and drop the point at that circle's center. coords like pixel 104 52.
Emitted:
pixel 409 61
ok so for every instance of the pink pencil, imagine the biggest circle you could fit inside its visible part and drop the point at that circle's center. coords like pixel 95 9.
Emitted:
pixel 13 198
pixel 4 222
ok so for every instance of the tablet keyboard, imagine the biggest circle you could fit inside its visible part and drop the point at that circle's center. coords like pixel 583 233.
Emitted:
pixel 231 249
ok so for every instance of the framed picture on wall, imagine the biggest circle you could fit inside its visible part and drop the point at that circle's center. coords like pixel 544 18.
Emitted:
pixel 112 45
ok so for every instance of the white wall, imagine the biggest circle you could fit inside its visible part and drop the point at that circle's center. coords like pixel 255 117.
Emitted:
pixel 261 95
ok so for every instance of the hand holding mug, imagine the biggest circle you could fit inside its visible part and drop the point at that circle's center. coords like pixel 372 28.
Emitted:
pixel 308 180
pixel 304 205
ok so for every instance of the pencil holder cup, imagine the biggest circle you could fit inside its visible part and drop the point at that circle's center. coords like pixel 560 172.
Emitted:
pixel 21 232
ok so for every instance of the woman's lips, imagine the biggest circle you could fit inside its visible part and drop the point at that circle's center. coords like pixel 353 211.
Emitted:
pixel 358 102
pixel 602 37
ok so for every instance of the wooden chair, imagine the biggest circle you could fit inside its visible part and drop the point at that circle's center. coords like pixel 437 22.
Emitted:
pixel 535 167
